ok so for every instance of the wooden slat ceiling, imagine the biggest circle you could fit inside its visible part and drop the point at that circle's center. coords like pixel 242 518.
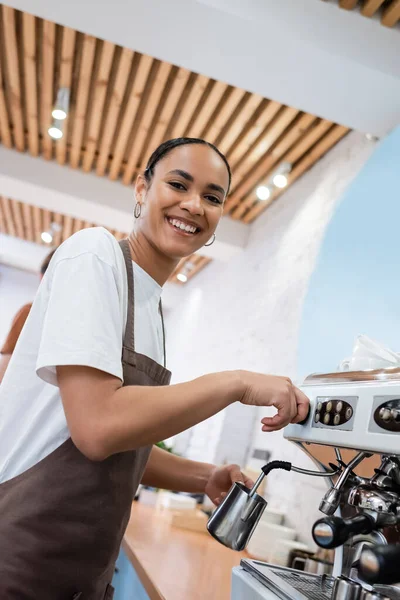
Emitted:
pixel 123 104
pixel 388 11
pixel 28 222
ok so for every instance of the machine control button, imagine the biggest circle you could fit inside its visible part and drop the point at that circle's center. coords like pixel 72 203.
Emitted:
pixel 317 417
pixel 327 418
pixel 336 419
pixel 328 407
pixel 349 413
pixel 319 406
pixel 395 415
pixel 385 414
pixel 339 406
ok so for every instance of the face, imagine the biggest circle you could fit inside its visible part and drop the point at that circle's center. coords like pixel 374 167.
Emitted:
pixel 183 204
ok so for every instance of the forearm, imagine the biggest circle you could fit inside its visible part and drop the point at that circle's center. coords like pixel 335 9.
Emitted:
pixel 105 418
pixel 139 416
pixel 171 472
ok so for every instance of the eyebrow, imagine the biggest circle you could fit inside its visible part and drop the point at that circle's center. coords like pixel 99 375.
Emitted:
pixel 189 177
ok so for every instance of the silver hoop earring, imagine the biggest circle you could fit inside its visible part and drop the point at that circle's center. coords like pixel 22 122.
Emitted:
pixel 137 210
pixel 212 240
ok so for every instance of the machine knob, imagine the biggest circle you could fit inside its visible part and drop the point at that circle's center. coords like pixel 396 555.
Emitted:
pixel 385 414
pixel 395 415
pixel 331 532
pixel 380 564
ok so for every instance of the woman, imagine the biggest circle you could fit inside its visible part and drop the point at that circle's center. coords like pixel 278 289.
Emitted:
pixel 79 422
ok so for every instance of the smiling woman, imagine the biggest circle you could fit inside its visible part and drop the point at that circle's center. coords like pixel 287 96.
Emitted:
pixel 87 388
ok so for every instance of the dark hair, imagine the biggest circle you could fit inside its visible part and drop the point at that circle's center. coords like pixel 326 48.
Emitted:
pixel 166 147
pixel 46 262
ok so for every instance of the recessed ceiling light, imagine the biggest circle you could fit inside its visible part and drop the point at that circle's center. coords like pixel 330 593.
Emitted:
pixel 280 180
pixel 263 192
pixel 59 114
pixel 47 237
pixel 55 133
pixel 182 277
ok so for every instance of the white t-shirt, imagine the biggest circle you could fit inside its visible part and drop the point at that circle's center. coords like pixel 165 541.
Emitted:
pixel 78 318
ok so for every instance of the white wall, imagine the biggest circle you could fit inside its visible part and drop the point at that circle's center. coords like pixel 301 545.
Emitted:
pixel 17 288
pixel 246 314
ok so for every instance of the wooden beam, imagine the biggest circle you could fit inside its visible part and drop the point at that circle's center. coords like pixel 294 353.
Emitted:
pixel 218 121
pixel 37 225
pixel 335 134
pixel 11 55
pixel 58 219
pixel 128 120
pixel 97 108
pixel 391 15
pixel 292 139
pixel 8 216
pixel 17 218
pixel 85 75
pixel 247 110
pixel 262 118
pixel 205 111
pixel 199 266
pixel 47 87
pixel 5 131
pixel 348 4
pixel 147 118
pixel 65 81
pixel 370 7
pixel 27 216
pixel 160 128
pixel 78 225
pixel 67 229
pixel 121 80
pixel 3 227
pixel 192 100
pixel 32 116
pixel 292 156
pixel 243 176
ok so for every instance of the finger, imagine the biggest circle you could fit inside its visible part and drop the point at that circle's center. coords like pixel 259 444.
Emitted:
pixel 293 403
pixel 249 483
pixel 302 406
pixel 277 421
pixel 236 474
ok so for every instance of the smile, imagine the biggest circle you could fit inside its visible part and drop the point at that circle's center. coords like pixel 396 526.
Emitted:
pixel 181 227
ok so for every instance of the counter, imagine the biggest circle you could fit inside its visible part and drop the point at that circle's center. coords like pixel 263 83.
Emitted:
pixel 176 564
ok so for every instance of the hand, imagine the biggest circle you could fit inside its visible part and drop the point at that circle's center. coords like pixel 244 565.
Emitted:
pixel 267 390
pixel 221 480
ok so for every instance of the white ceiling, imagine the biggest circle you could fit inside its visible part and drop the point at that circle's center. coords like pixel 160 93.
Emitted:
pixel 305 53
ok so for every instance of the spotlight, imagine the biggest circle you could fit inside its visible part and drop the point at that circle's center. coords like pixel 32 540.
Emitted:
pixel 263 192
pixel 182 277
pixel 280 180
pixel 61 107
pixel 55 131
pixel 47 237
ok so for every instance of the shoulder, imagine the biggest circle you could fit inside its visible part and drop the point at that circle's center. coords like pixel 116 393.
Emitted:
pixel 15 330
pixel 96 241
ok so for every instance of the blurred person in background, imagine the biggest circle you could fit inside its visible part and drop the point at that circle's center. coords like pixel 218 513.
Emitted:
pixel 18 323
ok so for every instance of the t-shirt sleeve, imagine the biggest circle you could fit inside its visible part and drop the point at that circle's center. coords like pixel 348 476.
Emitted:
pixel 15 330
pixel 82 324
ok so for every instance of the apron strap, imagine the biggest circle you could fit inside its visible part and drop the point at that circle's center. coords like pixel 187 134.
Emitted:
pixel 129 337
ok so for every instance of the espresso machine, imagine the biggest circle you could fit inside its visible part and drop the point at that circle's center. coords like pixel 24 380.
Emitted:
pixel 353 422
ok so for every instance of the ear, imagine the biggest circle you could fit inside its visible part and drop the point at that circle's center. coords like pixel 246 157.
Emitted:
pixel 140 188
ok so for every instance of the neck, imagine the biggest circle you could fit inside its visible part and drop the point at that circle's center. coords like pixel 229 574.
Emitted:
pixel 156 264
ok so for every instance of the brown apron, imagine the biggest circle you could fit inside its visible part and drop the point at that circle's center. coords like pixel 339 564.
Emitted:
pixel 62 520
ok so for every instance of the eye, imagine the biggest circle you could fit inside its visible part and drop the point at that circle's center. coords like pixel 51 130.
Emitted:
pixel 214 199
pixel 177 185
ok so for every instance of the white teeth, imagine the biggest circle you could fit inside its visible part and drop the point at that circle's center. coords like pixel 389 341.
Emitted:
pixel 182 226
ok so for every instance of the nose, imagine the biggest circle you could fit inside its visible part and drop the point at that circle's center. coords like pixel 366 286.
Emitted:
pixel 193 204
